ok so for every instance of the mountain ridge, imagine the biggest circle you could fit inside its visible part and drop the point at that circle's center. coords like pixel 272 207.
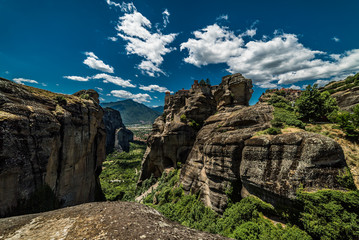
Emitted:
pixel 133 112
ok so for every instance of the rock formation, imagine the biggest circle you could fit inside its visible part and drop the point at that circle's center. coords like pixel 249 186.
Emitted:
pixel 117 135
pixel 49 139
pixel 175 131
pixel 225 156
pixel 102 220
pixel 278 166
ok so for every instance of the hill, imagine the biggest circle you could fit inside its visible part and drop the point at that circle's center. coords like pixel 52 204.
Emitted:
pixel 158 109
pixel 345 91
pixel 133 112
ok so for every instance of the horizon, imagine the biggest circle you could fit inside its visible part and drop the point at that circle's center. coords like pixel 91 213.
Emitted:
pixel 139 50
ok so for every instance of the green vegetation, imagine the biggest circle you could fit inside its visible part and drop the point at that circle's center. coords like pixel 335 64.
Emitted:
pixel 284 113
pixel 349 82
pixel 241 220
pixel 347 121
pixel 183 118
pixel 120 174
pixel 85 96
pixel 61 100
pixel 313 105
pixel 273 131
pixel 329 214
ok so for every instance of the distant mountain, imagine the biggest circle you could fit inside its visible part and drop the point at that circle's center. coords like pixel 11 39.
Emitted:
pixel 133 112
pixel 158 109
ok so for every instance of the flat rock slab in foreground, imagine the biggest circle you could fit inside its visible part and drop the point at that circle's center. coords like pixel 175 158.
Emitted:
pixel 102 220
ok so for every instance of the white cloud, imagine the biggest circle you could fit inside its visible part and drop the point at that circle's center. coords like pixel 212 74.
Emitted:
pixel 99 89
pixel 152 88
pixel 295 87
pixel 24 80
pixel 269 61
pixel 267 85
pixel 165 16
pixel 141 41
pixel 113 39
pixel 222 17
pixel 213 44
pixel 335 39
pixel 140 97
pixel 322 83
pixel 115 80
pixel 78 78
pixel 149 68
pixel 125 7
pixel 95 63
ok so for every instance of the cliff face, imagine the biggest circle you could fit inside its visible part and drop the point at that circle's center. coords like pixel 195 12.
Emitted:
pixel 49 139
pixel 117 136
pixel 224 155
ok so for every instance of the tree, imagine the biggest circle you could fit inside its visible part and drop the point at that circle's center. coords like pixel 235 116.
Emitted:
pixel 313 105
pixel 202 83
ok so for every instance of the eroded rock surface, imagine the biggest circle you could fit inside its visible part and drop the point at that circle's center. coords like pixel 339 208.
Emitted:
pixel 106 220
pixel 273 168
pixel 221 157
pixel 117 135
pixel 49 139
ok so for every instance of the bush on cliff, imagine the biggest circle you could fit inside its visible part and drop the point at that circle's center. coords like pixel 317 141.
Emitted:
pixel 314 106
pixel 347 121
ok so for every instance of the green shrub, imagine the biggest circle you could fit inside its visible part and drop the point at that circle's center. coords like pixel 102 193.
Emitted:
pixel 347 121
pixel 286 117
pixel 61 100
pixel 85 96
pixel 273 131
pixel 183 118
pixel 345 179
pixel 313 105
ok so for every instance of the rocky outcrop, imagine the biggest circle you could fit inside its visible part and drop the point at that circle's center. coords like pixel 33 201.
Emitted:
pixel 348 98
pixel 273 168
pixel 104 220
pixel 212 167
pixel 49 139
pixel 222 157
pixel 175 131
pixel 117 135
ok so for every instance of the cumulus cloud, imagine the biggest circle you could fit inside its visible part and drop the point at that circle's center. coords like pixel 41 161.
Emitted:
pixel 115 80
pixel 136 29
pixel 281 59
pixel 24 80
pixel 335 39
pixel 213 44
pixel 152 88
pixel 95 63
pixel 139 97
pixel 78 78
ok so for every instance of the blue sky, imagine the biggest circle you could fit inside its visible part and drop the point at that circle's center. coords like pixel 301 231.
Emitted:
pixel 140 49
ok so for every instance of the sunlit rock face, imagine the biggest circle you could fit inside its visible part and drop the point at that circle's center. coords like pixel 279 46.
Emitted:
pixel 49 139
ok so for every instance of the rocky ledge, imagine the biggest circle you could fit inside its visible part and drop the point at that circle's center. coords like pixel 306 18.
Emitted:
pixel 106 220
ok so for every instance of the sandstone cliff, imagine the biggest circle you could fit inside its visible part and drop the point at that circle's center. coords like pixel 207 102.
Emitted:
pixel 224 156
pixel 49 139
pixel 117 135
